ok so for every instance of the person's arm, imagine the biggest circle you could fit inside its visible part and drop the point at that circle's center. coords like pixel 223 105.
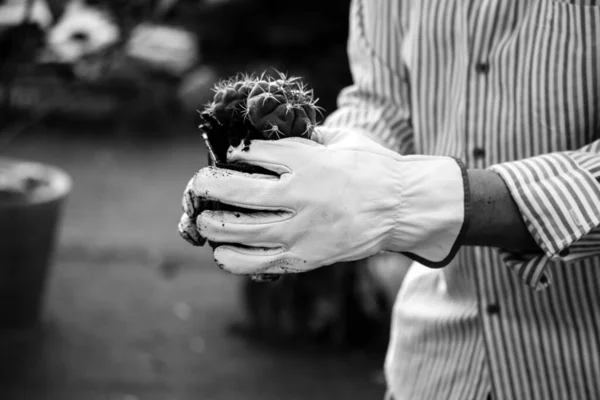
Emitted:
pixel 495 219
pixel 538 210
pixel 377 103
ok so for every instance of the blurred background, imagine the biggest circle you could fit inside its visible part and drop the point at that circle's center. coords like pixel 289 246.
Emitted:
pixel 99 296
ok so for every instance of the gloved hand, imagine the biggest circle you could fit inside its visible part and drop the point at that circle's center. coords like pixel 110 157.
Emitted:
pixel 338 197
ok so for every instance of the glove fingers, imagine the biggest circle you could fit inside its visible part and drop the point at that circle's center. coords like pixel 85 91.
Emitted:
pixel 187 229
pixel 192 205
pixel 273 155
pixel 260 229
pixel 253 191
pixel 249 261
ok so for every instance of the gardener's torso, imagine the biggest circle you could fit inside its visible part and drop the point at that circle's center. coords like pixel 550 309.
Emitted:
pixel 495 81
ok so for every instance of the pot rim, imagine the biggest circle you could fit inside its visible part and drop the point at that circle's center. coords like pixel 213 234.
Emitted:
pixel 59 182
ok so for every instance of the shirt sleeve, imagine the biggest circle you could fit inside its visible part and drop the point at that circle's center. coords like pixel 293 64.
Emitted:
pixel 376 104
pixel 558 195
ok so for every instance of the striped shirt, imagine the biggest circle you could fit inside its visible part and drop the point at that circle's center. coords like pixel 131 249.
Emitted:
pixel 513 86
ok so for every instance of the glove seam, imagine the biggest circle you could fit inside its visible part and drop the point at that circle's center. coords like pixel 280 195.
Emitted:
pixel 398 218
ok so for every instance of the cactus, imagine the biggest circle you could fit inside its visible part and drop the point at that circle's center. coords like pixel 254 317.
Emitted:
pixel 247 107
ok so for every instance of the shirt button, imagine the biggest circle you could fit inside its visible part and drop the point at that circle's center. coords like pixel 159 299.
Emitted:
pixel 493 309
pixel 543 279
pixel 482 67
pixel 478 152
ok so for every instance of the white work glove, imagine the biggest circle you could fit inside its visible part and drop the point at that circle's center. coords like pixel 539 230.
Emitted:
pixel 339 197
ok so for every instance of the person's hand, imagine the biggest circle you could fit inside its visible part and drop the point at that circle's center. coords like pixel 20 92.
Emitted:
pixel 339 197
pixel 193 204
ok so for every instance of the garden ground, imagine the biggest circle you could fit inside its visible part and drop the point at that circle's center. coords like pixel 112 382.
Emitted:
pixel 133 312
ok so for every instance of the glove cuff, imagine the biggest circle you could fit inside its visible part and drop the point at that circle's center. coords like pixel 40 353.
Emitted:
pixel 435 203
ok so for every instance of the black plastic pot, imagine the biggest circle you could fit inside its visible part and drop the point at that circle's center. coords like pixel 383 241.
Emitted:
pixel 28 231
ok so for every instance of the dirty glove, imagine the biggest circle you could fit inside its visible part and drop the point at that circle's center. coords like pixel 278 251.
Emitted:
pixel 339 197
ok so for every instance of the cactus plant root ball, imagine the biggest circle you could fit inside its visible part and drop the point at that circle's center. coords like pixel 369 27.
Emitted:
pixel 247 107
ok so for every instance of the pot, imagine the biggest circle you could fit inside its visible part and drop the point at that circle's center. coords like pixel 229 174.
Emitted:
pixel 29 223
